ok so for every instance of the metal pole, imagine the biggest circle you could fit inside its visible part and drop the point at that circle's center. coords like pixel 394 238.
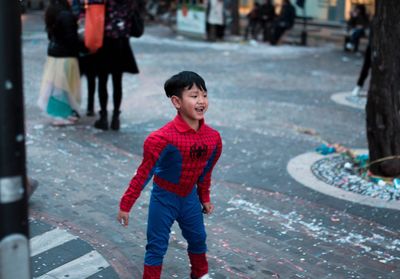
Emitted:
pixel 303 37
pixel 14 231
pixel 235 25
pixel 303 40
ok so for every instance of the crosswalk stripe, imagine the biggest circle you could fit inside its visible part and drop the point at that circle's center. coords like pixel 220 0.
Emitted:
pixel 79 268
pixel 49 240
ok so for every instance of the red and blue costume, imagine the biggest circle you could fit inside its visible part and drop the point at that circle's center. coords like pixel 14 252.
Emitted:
pixel 180 159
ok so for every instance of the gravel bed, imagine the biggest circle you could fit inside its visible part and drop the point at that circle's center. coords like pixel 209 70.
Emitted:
pixel 331 170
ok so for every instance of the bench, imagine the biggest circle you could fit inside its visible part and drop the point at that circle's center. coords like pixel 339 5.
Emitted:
pixel 318 33
pixel 298 34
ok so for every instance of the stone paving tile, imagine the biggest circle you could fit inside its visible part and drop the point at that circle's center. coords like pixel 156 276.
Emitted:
pixel 283 267
pixel 374 263
pixel 308 245
pixel 373 273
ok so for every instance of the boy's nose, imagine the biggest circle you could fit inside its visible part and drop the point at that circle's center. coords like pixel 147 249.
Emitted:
pixel 201 99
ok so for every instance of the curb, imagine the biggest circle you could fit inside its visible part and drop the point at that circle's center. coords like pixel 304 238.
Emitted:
pixel 300 169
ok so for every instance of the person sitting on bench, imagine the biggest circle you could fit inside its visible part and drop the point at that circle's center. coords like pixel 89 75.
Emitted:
pixel 283 22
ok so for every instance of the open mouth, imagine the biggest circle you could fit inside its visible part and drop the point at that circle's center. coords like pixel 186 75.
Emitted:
pixel 200 110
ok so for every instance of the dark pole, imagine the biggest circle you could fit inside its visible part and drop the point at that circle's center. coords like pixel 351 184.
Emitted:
pixel 304 31
pixel 14 243
pixel 235 26
pixel 303 38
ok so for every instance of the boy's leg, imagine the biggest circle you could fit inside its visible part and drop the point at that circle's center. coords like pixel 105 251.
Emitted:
pixel 152 272
pixel 192 225
pixel 199 265
pixel 162 214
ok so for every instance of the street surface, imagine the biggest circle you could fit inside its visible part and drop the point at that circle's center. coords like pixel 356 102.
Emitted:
pixel 264 101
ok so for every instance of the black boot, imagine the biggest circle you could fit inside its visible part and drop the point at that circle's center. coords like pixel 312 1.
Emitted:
pixel 115 121
pixel 102 123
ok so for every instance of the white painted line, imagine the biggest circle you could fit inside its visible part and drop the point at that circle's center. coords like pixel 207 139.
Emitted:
pixel 80 268
pixel 300 169
pixel 49 240
pixel 341 99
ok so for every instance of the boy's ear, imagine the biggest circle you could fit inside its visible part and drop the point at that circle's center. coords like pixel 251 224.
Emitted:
pixel 176 101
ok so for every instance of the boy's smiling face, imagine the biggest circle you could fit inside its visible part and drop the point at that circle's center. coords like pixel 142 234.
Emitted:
pixel 192 105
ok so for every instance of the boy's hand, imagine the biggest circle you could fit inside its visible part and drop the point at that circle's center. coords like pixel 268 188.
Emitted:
pixel 123 218
pixel 208 208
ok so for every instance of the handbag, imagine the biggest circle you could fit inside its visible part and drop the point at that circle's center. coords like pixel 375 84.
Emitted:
pixel 137 24
pixel 94 24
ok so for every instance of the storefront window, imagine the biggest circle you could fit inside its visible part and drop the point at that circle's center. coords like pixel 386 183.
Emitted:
pixel 191 17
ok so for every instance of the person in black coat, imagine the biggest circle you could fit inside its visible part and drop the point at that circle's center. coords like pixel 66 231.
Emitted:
pixel 87 61
pixel 365 68
pixel 357 27
pixel 115 58
pixel 253 22
pixel 284 21
pixel 62 30
pixel 267 14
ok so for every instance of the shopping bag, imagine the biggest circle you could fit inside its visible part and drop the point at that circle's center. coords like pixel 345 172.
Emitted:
pixel 94 24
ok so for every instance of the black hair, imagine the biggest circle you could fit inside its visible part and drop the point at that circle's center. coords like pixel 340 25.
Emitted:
pixel 175 85
pixel 52 11
pixel 362 9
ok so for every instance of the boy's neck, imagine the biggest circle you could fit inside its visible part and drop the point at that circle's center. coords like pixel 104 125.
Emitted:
pixel 194 124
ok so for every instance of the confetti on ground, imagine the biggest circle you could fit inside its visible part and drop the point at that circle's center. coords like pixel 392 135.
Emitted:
pixel 332 170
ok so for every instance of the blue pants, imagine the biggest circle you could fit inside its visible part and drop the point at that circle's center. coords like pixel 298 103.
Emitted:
pixel 166 207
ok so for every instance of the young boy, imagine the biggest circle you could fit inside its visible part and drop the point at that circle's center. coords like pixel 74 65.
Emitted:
pixel 180 155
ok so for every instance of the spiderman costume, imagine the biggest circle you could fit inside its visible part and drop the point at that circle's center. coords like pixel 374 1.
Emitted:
pixel 179 158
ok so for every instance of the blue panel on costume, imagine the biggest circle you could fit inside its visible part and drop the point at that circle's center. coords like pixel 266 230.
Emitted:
pixel 169 167
pixel 208 166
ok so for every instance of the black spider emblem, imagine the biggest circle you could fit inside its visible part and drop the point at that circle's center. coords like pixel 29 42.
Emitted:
pixel 198 151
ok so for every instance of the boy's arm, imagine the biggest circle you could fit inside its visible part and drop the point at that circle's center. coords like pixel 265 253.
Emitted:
pixel 152 148
pixel 204 181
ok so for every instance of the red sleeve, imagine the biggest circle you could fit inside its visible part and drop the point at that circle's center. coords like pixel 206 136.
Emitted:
pixel 152 149
pixel 204 182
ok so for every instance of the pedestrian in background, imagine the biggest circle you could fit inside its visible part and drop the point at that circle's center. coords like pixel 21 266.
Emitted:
pixel 181 156
pixel 365 68
pixel 88 63
pixel 60 89
pixel 283 22
pixel 215 16
pixel 267 15
pixel 357 27
pixel 253 22
pixel 115 58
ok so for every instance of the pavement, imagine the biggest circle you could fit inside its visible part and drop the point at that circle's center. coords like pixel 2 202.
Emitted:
pixel 267 224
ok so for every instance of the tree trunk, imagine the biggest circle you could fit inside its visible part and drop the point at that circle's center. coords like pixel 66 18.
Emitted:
pixel 383 105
